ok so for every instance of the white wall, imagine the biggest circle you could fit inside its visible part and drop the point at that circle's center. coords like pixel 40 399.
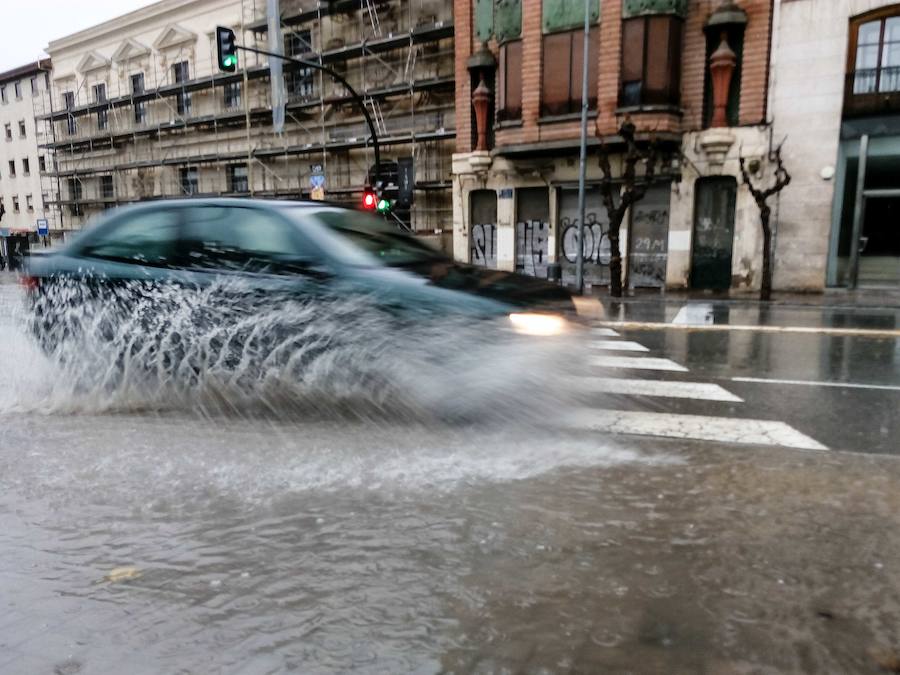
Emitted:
pixel 12 112
pixel 809 62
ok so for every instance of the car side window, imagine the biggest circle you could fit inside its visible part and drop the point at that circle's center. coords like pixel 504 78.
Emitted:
pixel 145 238
pixel 242 238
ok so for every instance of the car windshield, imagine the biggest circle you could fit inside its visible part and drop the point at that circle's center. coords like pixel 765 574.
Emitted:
pixel 378 239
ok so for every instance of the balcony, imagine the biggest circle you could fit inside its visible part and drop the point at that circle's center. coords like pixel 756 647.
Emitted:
pixel 872 91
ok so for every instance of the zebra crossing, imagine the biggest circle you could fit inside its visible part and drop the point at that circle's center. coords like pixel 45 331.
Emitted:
pixel 611 353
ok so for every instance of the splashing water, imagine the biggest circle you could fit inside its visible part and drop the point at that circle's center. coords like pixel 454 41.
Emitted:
pixel 231 349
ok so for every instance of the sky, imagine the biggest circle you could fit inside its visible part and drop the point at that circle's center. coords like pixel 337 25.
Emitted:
pixel 26 31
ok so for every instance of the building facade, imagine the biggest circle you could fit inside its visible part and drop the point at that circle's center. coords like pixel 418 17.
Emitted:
pixel 22 197
pixel 651 62
pixel 836 82
pixel 139 110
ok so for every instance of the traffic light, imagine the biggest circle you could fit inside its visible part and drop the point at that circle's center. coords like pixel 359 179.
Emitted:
pixel 383 205
pixel 227 49
pixel 370 199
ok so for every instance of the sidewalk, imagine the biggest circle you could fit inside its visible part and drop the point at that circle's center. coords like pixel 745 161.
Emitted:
pixel 834 310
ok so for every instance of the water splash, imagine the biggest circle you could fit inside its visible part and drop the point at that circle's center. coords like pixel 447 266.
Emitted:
pixel 231 349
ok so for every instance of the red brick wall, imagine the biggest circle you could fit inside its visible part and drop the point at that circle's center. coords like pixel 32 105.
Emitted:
pixel 463 38
pixel 753 81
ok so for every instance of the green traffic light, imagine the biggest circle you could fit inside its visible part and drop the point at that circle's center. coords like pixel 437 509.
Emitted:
pixel 383 205
pixel 229 61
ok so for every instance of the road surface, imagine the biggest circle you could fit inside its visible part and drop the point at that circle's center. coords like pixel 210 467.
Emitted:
pixel 679 501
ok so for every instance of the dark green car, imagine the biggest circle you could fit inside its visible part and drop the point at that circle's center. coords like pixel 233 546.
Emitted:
pixel 300 249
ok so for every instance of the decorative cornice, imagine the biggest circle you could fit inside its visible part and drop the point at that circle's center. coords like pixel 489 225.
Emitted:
pixel 130 49
pixel 633 8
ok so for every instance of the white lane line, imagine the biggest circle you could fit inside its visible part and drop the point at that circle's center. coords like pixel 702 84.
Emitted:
pixel 665 388
pixel 813 383
pixel 619 346
pixel 696 427
pixel 875 333
pixel 637 363
pixel 604 332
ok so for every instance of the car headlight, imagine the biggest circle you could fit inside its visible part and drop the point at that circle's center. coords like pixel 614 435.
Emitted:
pixel 528 323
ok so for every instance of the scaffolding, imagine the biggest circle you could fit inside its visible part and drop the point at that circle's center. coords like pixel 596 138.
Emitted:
pixel 178 135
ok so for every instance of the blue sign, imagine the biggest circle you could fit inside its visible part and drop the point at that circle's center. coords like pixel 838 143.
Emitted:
pixel 506 193
pixel 4 231
pixel 43 228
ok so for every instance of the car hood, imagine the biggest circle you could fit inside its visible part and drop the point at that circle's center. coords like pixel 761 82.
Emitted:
pixel 514 289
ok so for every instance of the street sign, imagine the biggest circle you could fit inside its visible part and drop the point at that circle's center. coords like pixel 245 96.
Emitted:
pixel 406 180
pixel 43 228
pixel 317 183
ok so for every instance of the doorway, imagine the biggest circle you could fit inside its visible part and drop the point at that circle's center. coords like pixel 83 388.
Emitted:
pixel 713 239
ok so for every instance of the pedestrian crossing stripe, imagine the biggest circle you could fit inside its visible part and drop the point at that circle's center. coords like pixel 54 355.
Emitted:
pixel 636 363
pixel 604 332
pixel 693 427
pixel 665 388
pixel 619 346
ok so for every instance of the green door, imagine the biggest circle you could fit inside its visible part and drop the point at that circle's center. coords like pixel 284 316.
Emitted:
pixel 713 233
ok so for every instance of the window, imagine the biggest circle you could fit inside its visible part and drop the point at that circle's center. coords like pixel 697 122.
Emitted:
pixel 12 168
pixel 69 103
pixel 299 84
pixel 3 93
pixel 241 237
pixel 183 99
pixel 100 97
pixel 237 178
pixel 232 95
pixel 298 43
pixel 106 187
pixel 29 203
pixel 190 182
pixel 146 238
pixel 42 163
pixel 877 61
pixel 18 87
pixel 26 166
pixel 21 128
pixel 8 128
pixel 34 86
pixel 15 203
pixel 140 107
pixel 75 196
pixel 509 102
pixel 561 75
pixel 651 61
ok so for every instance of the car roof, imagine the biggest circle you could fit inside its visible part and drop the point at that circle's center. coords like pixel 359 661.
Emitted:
pixel 228 201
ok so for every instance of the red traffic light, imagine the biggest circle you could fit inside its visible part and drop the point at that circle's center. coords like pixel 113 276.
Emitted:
pixel 369 200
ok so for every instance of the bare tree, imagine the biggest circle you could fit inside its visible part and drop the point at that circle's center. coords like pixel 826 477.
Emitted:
pixel 782 180
pixel 629 191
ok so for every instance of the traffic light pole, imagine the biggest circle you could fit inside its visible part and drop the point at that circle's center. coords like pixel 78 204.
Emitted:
pixel 339 78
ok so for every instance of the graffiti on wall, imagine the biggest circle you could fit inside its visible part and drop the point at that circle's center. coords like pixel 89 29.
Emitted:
pixel 649 248
pixel 532 248
pixel 483 245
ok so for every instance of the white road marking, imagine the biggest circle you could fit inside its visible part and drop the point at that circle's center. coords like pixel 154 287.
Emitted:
pixel 665 388
pixel 695 427
pixel 637 363
pixel 604 332
pixel 806 330
pixel 619 346
pixel 813 383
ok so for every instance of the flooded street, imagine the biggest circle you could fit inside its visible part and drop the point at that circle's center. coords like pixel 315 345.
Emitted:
pixel 167 540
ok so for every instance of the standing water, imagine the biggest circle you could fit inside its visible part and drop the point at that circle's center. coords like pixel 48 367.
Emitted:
pixel 328 493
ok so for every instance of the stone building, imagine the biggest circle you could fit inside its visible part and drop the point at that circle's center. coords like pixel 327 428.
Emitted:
pixel 21 195
pixel 836 81
pixel 138 108
pixel 515 201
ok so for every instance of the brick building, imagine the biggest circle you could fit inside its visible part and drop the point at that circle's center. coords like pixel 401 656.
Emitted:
pixel 515 204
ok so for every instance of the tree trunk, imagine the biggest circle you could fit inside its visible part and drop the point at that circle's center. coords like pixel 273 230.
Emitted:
pixel 765 292
pixel 615 261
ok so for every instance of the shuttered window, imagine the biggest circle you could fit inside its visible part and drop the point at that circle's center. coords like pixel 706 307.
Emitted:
pixel 562 70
